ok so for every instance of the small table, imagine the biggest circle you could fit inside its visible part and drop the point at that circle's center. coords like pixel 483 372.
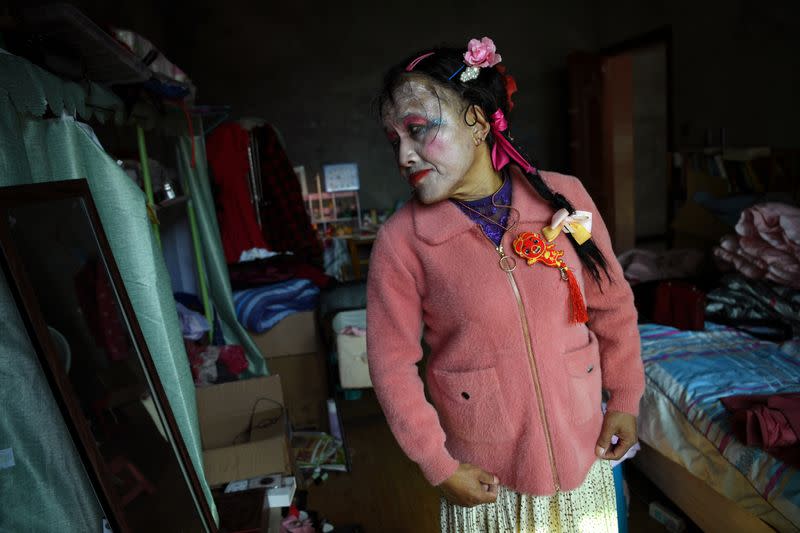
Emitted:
pixel 358 258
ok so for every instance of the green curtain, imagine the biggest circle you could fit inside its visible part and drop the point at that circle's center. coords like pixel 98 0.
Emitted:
pixel 196 182
pixel 36 151
pixel 43 483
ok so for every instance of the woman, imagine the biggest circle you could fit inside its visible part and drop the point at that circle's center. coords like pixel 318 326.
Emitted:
pixel 521 300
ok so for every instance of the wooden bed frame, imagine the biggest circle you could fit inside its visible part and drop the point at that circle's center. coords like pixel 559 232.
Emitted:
pixel 710 510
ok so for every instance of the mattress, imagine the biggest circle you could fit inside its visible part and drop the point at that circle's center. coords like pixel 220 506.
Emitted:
pixel 687 373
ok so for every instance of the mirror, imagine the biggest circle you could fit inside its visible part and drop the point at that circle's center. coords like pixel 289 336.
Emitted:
pixel 70 292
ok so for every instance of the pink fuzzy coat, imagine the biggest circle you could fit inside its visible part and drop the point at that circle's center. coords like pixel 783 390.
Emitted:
pixel 432 265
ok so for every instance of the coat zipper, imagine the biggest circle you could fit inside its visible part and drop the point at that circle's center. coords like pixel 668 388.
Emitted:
pixel 529 345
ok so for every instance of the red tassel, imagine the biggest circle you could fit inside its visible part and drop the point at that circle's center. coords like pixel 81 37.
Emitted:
pixel 579 314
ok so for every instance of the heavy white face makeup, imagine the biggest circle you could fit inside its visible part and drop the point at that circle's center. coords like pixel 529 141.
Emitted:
pixel 434 146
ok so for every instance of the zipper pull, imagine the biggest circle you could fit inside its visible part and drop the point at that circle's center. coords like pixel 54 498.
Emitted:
pixel 507 263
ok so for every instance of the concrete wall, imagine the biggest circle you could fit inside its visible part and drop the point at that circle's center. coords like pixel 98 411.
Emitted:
pixel 735 64
pixel 313 68
pixel 146 17
pixel 650 140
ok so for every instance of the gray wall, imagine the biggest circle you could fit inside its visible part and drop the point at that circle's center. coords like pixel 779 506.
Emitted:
pixel 650 140
pixel 312 69
pixel 736 64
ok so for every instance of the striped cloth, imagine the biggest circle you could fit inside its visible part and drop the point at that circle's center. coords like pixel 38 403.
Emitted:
pixel 259 309
pixel 691 371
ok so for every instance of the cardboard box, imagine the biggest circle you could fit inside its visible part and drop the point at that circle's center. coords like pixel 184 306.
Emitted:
pixel 238 439
pixel 295 334
pixel 292 349
pixel 305 382
pixel 351 350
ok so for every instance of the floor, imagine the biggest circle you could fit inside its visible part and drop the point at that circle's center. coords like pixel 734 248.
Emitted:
pixel 385 491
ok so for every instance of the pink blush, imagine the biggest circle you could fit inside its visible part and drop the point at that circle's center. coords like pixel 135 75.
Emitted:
pixel 436 146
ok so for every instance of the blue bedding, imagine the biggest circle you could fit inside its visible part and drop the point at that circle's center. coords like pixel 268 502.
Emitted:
pixel 259 309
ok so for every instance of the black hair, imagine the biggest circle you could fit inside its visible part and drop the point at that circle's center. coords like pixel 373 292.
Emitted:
pixel 487 91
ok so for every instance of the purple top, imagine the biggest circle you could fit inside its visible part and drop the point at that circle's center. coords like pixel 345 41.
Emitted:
pixel 484 205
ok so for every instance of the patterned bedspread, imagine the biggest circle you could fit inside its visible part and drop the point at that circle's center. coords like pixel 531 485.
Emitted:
pixel 687 374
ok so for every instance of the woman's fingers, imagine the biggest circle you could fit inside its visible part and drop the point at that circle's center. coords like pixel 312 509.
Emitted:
pixel 487 478
pixel 470 486
pixel 621 425
pixel 488 486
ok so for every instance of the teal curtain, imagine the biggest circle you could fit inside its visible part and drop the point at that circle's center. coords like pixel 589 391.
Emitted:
pixel 195 180
pixel 48 487
pixel 43 483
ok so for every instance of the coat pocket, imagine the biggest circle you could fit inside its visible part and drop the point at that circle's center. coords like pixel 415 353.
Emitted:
pixel 471 405
pixel 585 381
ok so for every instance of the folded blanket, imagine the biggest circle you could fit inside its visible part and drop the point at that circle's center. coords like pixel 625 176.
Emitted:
pixel 776 223
pixel 766 244
pixel 756 259
pixel 261 308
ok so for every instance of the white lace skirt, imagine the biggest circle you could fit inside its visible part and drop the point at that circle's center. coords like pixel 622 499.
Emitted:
pixel 592 507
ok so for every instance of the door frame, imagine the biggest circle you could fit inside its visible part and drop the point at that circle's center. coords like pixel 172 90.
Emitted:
pixel 662 35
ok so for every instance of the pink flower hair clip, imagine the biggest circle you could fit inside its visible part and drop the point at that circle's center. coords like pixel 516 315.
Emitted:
pixel 479 54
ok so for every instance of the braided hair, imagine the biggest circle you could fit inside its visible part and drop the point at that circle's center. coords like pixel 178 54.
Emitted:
pixel 487 91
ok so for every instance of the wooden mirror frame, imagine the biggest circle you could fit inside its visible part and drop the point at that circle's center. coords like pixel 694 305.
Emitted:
pixel 33 318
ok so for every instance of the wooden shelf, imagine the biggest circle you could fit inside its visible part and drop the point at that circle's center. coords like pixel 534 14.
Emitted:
pixel 330 195
pixel 324 208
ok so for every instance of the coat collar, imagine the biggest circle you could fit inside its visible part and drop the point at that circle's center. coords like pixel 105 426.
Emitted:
pixel 439 222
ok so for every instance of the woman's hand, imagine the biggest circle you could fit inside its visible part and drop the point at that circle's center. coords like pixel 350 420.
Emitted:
pixel 623 425
pixel 470 486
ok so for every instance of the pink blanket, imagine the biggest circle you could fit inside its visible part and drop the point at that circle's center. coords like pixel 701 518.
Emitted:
pixel 766 244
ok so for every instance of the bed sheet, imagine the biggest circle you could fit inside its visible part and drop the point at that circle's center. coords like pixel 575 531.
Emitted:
pixel 687 373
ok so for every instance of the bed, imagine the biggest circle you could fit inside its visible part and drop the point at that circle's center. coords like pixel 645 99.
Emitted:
pixel 689 450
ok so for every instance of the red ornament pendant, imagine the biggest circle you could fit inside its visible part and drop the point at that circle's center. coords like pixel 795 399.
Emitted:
pixel 535 249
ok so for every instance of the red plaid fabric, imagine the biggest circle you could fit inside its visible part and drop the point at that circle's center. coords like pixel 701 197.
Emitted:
pixel 226 149
pixel 284 221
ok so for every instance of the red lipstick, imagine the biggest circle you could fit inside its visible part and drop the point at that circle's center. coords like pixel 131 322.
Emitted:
pixel 415 177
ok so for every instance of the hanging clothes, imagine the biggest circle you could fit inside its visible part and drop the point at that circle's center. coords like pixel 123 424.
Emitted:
pixel 227 155
pixel 284 220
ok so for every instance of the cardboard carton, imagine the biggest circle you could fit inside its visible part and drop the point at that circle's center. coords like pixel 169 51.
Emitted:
pixel 295 334
pixel 305 380
pixel 292 349
pixel 243 429
pixel 351 350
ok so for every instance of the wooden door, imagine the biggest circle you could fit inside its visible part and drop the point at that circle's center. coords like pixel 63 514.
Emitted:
pixel 601 137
